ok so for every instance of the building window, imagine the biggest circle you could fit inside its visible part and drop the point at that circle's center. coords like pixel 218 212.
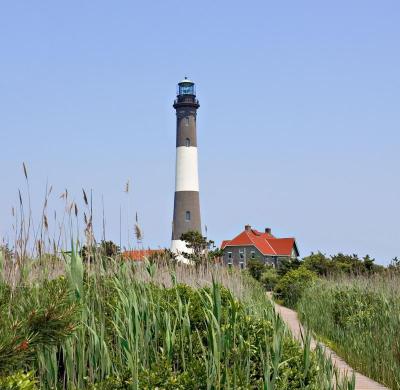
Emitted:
pixel 186 121
pixel 253 254
pixel 230 255
pixel 241 254
pixel 241 265
pixel 187 217
pixel 187 142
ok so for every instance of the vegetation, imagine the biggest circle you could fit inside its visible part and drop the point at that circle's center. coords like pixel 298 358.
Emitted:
pixel 359 318
pixel 293 276
pixel 200 252
pixel 78 316
pixel 292 285
pixel 351 303
pixel 341 264
pixel 120 325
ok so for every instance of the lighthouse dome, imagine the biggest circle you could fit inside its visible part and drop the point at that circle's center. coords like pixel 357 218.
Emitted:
pixel 186 87
pixel 186 81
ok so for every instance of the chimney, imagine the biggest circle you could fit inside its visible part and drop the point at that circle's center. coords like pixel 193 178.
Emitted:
pixel 268 230
pixel 247 228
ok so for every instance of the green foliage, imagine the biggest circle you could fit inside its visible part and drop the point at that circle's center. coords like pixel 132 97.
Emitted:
pixel 340 264
pixel 129 333
pixel 6 253
pixel 394 265
pixel 350 308
pixel 269 278
pixel 359 318
pixel 75 271
pixel 199 246
pixel 287 265
pixel 109 248
pixel 291 286
pixel 256 268
pixel 19 381
pixel 97 252
pixel 33 318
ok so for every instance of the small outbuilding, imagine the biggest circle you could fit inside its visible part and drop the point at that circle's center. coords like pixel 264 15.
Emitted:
pixel 251 244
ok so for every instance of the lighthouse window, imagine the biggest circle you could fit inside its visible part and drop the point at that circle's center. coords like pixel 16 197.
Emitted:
pixel 187 215
pixel 186 121
pixel 187 142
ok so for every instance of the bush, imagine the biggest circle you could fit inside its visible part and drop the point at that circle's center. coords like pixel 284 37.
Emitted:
pixel 19 381
pixel 359 319
pixel 341 264
pixel 291 286
pixel 256 268
pixel 269 278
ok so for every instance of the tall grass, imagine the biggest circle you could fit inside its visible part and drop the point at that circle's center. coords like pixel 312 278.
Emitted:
pixel 172 327
pixel 110 324
pixel 360 319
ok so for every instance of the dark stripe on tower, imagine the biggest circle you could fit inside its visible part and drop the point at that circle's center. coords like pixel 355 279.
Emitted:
pixel 186 201
pixel 186 128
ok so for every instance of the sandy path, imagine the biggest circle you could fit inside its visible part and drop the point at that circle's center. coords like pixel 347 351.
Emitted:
pixel 293 323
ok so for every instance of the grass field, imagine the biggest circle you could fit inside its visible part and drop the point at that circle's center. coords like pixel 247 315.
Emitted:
pixel 117 325
pixel 359 317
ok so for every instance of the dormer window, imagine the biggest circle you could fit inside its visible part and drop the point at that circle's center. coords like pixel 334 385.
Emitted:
pixel 187 142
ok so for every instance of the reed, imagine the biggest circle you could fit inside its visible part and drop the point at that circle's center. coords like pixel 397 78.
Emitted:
pixel 105 323
pixel 359 318
pixel 172 327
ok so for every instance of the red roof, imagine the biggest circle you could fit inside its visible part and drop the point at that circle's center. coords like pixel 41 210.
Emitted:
pixel 140 254
pixel 266 243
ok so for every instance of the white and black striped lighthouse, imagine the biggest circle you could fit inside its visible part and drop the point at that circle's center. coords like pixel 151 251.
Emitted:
pixel 187 200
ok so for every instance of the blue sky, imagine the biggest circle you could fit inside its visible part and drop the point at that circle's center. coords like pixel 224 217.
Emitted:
pixel 298 127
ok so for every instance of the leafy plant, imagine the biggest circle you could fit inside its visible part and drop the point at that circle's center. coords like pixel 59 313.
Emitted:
pixel 256 268
pixel 269 278
pixel 358 317
pixel 291 286
pixel 19 381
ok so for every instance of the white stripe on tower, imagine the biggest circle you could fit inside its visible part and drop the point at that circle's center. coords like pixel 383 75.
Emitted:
pixel 187 173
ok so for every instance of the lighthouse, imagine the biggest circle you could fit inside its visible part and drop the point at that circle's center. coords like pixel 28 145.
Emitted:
pixel 187 199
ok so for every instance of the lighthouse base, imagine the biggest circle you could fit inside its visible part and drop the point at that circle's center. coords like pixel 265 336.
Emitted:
pixel 178 247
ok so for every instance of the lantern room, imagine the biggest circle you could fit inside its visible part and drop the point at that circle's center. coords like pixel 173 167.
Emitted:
pixel 186 87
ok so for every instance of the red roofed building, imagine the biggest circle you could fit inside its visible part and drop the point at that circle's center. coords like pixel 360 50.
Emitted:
pixel 263 246
pixel 140 254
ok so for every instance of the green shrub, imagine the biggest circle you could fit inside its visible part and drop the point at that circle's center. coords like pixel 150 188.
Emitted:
pixel 359 318
pixel 352 308
pixel 291 286
pixel 255 268
pixel 19 381
pixel 269 278
pixel 38 316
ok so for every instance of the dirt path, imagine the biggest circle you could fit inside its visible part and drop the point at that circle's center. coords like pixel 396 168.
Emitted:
pixel 293 323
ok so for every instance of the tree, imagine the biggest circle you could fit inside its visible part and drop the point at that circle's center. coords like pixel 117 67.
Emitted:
pixel 291 286
pixel 318 263
pixel 269 278
pixel 394 265
pixel 199 246
pixel 368 263
pixel 104 249
pixel 109 249
pixel 287 265
pixel 7 252
pixel 256 268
